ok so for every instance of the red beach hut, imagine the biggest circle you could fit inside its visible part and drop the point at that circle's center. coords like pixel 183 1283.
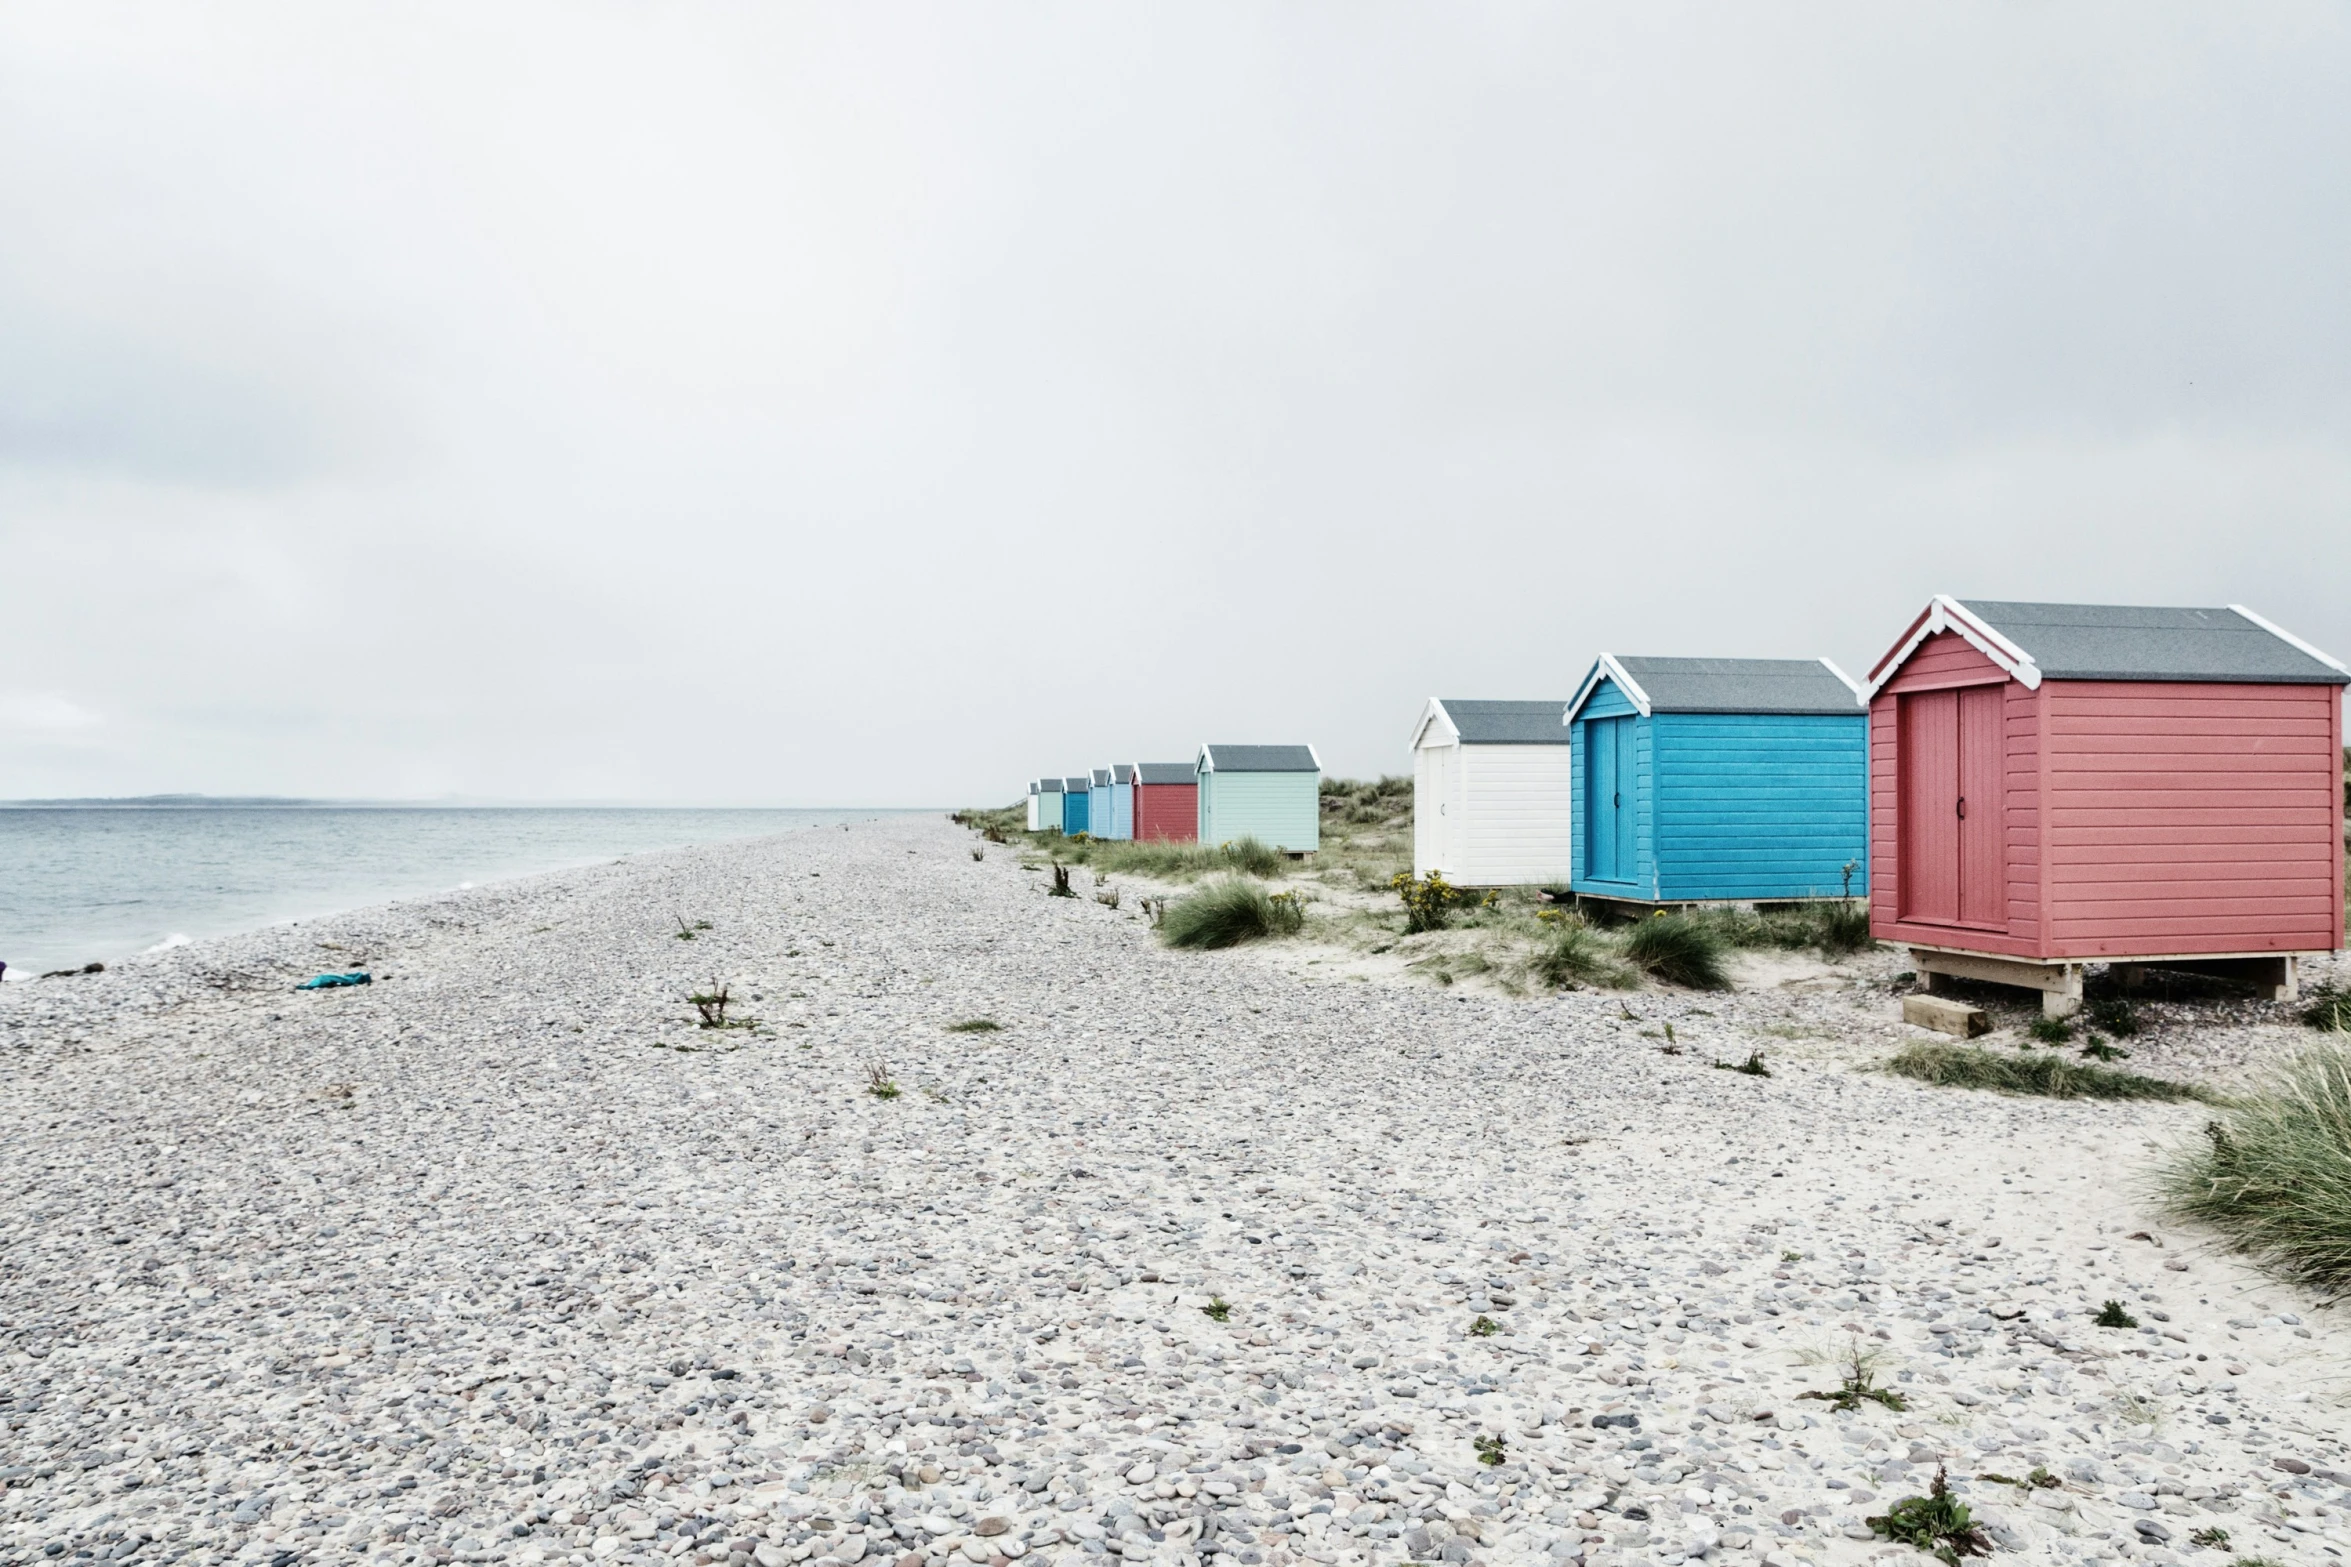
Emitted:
pixel 2053 785
pixel 1167 802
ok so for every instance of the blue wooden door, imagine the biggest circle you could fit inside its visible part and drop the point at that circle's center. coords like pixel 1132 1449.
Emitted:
pixel 1608 805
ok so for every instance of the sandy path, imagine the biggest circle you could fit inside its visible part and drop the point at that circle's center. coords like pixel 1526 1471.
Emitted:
pixel 470 1264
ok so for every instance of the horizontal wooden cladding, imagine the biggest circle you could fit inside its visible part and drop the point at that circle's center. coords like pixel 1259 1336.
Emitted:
pixel 1940 658
pixel 2153 808
pixel 2297 732
pixel 2180 840
pixel 2119 935
pixel 2206 894
pixel 1958 938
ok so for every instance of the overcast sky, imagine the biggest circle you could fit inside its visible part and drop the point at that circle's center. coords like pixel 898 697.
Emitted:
pixel 881 404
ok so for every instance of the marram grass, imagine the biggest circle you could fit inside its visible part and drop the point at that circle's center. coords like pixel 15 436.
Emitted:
pixel 2273 1171
pixel 2033 1072
pixel 1227 913
pixel 1681 949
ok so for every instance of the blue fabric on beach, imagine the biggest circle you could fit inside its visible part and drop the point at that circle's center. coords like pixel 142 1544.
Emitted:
pixel 330 981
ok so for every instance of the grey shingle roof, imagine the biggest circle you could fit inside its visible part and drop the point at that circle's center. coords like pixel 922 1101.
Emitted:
pixel 1507 723
pixel 1101 777
pixel 1048 786
pixel 1740 685
pixel 1165 773
pixel 1076 785
pixel 1122 772
pixel 1262 758
pixel 2141 642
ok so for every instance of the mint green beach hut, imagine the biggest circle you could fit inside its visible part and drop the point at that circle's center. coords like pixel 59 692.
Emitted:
pixel 1272 793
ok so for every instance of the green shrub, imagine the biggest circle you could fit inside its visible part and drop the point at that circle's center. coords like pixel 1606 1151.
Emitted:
pixel 1963 1066
pixel 1936 1523
pixel 1681 949
pixel 1429 904
pixel 1227 913
pixel 1575 955
pixel 2051 1030
pixel 2114 1016
pixel 2274 1173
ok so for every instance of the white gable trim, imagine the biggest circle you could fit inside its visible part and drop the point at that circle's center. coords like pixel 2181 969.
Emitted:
pixel 1860 697
pixel 1434 714
pixel 1946 613
pixel 1205 762
pixel 1607 668
pixel 1314 756
pixel 2283 635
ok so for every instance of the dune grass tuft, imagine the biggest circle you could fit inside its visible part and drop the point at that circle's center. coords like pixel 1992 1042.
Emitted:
pixel 2034 1072
pixel 1227 913
pixel 2273 1173
pixel 1175 861
pixel 1575 955
pixel 1835 928
pixel 1681 949
pixel 2327 1006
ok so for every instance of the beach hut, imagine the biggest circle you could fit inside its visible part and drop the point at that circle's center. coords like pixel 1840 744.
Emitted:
pixel 1272 793
pixel 1122 800
pixel 2053 785
pixel 1719 780
pixel 1493 795
pixel 1076 801
pixel 1099 819
pixel 1167 802
pixel 1046 808
pixel 1032 805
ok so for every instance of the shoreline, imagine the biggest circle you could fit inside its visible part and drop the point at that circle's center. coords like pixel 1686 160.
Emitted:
pixel 74 896
pixel 505 1241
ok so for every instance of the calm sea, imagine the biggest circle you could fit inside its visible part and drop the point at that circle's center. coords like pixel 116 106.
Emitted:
pixel 94 884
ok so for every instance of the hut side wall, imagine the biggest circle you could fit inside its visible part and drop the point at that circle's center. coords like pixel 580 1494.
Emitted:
pixel 1761 805
pixel 2190 818
pixel 1943 662
pixel 1282 809
pixel 1514 826
pixel 1167 813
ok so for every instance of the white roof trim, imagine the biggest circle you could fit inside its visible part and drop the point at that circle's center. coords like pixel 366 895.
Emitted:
pixel 1607 668
pixel 1433 713
pixel 2283 635
pixel 1860 698
pixel 1946 613
pixel 1205 762
pixel 1317 755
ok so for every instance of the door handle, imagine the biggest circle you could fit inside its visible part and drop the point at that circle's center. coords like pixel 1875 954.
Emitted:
pixel 1963 807
pixel 1616 799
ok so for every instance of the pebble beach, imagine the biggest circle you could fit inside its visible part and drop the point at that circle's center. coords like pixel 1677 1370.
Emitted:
pixel 1203 1260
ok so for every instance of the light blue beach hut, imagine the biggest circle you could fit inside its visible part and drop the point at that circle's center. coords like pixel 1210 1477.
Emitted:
pixel 1122 800
pixel 1719 780
pixel 1098 813
pixel 1076 797
pixel 1048 805
pixel 1272 793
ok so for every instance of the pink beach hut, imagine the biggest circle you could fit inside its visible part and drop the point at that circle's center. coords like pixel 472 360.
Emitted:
pixel 2054 785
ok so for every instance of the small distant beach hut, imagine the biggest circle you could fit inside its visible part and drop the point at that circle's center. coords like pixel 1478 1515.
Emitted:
pixel 1167 802
pixel 1122 800
pixel 1045 806
pixel 1493 793
pixel 1032 805
pixel 1099 816
pixel 1272 793
pixel 2053 785
pixel 1076 803
pixel 1719 780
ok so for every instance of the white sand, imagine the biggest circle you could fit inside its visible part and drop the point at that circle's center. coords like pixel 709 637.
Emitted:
pixel 444 1267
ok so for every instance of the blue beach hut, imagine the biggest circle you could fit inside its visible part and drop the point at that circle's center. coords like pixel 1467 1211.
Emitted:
pixel 1076 797
pixel 1719 780
pixel 1122 800
pixel 1098 813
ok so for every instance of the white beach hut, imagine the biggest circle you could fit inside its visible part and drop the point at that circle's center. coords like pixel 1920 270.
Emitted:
pixel 1493 801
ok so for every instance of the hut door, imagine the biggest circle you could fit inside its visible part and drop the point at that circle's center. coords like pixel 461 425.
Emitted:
pixel 1609 780
pixel 1953 767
